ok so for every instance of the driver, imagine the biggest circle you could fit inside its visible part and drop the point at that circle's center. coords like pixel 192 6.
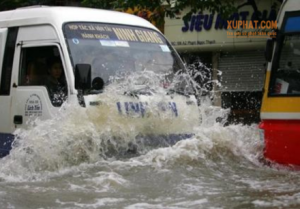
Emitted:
pixel 55 82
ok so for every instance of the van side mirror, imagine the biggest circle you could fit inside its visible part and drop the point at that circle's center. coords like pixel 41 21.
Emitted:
pixel 83 78
pixel 269 49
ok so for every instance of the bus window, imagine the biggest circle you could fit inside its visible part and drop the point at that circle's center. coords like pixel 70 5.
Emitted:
pixel 8 61
pixel 286 75
pixel 42 66
pixel 111 54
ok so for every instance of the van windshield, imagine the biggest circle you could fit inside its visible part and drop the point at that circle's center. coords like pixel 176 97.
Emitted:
pixel 111 48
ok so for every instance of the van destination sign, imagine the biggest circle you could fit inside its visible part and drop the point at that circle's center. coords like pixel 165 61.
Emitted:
pixel 112 32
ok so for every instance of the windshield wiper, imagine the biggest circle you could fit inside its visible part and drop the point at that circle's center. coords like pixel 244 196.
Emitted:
pixel 143 91
pixel 173 91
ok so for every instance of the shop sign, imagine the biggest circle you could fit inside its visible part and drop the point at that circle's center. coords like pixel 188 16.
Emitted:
pixel 201 22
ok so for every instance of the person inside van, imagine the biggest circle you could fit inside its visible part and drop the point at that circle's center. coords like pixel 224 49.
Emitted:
pixel 36 72
pixel 55 82
pixel 31 75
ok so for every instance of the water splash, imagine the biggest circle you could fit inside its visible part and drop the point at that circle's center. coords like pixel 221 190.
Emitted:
pixel 79 135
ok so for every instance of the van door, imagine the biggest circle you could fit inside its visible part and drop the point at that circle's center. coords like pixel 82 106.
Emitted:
pixel 7 43
pixel 32 82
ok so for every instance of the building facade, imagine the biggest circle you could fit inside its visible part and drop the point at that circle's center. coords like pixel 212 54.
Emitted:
pixel 233 54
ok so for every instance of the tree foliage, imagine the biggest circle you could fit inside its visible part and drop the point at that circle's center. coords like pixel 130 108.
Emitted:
pixel 102 4
pixel 161 8
pixel 156 10
pixel 13 4
pixel 153 10
pixel 169 7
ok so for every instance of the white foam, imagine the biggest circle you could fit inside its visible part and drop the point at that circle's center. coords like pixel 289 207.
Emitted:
pixel 96 204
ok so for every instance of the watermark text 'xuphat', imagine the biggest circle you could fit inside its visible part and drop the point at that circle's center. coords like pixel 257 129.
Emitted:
pixel 257 28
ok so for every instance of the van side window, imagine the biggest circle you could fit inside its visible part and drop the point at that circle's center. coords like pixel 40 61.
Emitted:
pixel 42 66
pixel 8 61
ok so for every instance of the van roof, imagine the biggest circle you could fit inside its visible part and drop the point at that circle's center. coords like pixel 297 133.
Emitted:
pixel 37 15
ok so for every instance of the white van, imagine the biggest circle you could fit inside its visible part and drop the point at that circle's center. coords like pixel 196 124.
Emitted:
pixel 52 55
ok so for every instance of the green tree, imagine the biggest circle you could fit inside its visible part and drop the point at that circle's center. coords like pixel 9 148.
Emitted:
pixel 102 4
pixel 13 4
pixel 162 8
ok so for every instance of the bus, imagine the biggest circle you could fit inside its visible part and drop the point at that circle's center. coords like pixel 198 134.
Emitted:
pixel 280 111
pixel 50 56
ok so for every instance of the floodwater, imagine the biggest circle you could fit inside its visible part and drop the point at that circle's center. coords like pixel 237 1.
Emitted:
pixel 80 159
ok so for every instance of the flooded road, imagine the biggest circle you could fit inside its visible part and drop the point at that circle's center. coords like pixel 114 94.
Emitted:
pixel 92 158
pixel 219 167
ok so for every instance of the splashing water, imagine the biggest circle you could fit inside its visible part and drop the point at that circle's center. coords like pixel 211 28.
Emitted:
pixel 77 135
pixel 80 158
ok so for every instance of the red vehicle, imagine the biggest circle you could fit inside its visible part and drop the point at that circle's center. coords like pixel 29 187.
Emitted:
pixel 280 112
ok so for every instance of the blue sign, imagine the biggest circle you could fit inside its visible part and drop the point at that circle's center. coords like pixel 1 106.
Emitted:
pixel 200 21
